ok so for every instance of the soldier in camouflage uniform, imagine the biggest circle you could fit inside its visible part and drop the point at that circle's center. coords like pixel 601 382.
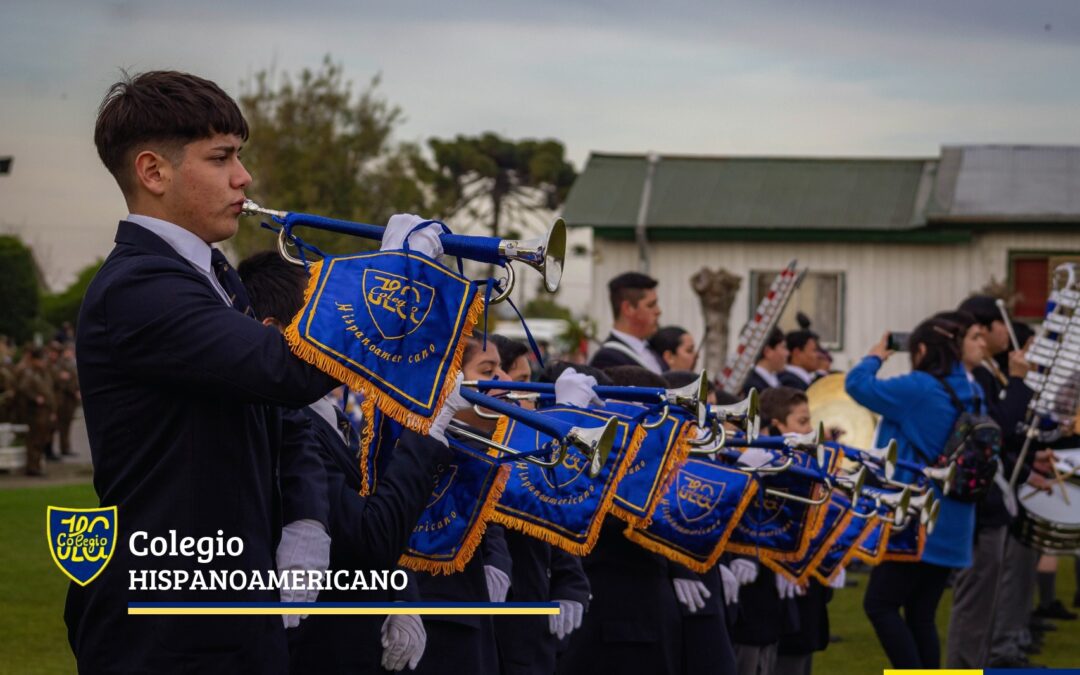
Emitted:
pixel 66 380
pixel 37 402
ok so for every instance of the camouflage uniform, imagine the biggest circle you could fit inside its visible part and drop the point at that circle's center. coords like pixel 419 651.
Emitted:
pixel 66 380
pixel 37 401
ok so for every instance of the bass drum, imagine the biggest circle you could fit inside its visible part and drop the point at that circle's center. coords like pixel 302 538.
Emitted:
pixel 1049 522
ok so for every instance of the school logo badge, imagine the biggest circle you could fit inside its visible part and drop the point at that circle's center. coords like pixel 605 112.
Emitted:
pixel 81 541
pixel 697 496
pixel 397 305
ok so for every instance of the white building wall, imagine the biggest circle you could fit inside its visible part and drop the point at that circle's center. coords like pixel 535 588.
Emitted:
pixel 887 286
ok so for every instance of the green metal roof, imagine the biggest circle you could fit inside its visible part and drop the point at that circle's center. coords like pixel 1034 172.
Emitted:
pixel 752 193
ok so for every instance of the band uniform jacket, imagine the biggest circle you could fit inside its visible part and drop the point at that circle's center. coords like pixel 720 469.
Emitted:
pixel 542 573
pixel 792 380
pixel 183 399
pixel 366 534
pixel 706 642
pixel 607 357
pixel 633 624
pixel 755 381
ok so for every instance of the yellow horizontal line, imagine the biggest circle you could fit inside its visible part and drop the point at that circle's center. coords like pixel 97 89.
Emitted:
pixel 381 611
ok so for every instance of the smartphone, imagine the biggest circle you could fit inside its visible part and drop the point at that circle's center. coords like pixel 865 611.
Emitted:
pixel 898 342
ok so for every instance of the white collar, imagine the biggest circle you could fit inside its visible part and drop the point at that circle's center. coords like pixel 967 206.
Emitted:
pixel 324 408
pixel 636 343
pixel 768 376
pixel 185 242
pixel 800 373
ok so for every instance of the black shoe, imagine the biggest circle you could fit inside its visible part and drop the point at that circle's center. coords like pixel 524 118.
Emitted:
pixel 1014 662
pixel 1076 599
pixel 1037 625
pixel 1055 610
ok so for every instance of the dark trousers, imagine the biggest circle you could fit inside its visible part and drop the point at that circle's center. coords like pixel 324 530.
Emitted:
pixel 910 641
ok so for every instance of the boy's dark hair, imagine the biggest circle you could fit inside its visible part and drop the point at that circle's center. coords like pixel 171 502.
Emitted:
pixel 276 287
pixel 943 336
pixel 509 350
pixel 634 376
pixel 797 339
pixel 629 286
pixel 553 369
pixel 163 109
pixel 776 403
pixel 983 307
pixel 776 336
pixel 666 339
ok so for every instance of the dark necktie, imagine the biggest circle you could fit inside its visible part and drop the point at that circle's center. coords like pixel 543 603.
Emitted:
pixel 346 428
pixel 230 282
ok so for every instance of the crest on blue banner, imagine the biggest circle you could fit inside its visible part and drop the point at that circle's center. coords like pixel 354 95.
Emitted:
pixel 390 324
pixel 836 519
pixel 697 513
pixel 81 541
pixel 662 449
pixel 453 522
pixel 562 505
pixel 778 528
pixel 844 547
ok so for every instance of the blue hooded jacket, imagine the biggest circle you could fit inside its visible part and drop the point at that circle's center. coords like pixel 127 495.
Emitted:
pixel 916 410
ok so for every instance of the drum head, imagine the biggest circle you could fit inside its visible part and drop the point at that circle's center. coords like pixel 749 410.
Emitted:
pixel 1060 509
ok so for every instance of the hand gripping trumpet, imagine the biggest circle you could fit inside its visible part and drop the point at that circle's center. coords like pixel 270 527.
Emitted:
pixel 594 442
pixel 545 254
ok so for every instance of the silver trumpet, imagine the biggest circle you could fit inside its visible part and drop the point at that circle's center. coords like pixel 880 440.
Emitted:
pixel 545 254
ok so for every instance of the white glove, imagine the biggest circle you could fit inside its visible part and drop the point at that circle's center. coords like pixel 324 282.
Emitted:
pixel 304 545
pixel 691 593
pixel 567 620
pixel 453 404
pixel 755 457
pixel 576 389
pixel 497 583
pixel 744 570
pixel 425 240
pixel 731 584
pixel 403 641
pixel 839 580
pixel 787 588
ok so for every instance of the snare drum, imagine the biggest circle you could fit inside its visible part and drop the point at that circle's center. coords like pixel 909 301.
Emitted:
pixel 1047 523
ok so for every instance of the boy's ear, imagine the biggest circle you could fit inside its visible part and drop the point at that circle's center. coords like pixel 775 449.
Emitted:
pixel 153 172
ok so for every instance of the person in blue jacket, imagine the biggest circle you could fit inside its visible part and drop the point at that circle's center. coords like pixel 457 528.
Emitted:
pixel 916 410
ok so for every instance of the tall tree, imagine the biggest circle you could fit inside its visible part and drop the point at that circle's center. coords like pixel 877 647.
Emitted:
pixel 500 182
pixel 19 286
pixel 317 147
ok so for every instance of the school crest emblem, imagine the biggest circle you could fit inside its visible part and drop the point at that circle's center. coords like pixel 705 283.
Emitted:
pixel 81 541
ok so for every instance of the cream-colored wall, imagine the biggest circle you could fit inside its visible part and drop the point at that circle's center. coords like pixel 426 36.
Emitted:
pixel 887 286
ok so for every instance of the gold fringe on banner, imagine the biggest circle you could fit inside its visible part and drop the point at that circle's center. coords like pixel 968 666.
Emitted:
pixel 567 544
pixel 907 557
pixel 815 518
pixel 851 552
pixel 367 437
pixel 386 403
pixel 643 538
pixel 472 539
pixel 875 560
pixel 678 455
pixel 811 566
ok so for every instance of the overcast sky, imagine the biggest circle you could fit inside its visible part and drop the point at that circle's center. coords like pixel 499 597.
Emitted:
pixel 769 77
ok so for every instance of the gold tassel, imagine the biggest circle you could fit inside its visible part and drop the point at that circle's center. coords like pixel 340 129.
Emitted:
pixel 367 437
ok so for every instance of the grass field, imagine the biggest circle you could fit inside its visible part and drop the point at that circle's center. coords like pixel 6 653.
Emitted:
pixel 33 639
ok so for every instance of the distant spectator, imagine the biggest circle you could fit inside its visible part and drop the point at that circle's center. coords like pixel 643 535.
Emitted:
pixel 771 362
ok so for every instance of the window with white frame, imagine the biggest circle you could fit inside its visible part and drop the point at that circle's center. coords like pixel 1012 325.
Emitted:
pixel 820 297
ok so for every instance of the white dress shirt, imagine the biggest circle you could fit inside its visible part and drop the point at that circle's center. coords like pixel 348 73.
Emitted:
pixel 186 243
pixel 646 356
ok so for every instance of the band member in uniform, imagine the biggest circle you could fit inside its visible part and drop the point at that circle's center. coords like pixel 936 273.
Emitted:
pixel 637 313
pixel 183 393
pixel 633 624
pixel 803 359
pixel 771 362
pixel 367 533
pixel 918 413
pixel 513 358
pixel 675 346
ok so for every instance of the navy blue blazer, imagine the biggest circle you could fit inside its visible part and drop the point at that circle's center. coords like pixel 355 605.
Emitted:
pixel 183 398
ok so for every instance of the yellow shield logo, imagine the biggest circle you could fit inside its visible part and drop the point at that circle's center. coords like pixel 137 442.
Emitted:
pixel 81 541
pixel 397 305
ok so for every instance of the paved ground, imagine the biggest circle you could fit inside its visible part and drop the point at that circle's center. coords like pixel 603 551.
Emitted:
pixel 71 469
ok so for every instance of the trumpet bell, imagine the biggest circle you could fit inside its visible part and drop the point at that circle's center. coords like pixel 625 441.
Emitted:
pixel 693 397
pixel 595 443
pixel 545 254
